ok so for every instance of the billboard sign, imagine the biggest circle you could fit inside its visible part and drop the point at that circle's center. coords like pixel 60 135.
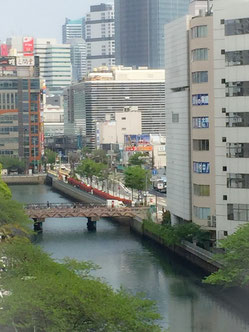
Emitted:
pixel 4 50
pixel 138 143
pixel 200 99
pixel 25 61
pixel 28 46
pixel 8 61
pixel 201 167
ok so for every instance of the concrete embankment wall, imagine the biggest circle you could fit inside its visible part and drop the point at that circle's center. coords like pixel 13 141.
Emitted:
pixel 197 256
pixel 75 193
pixel 25 179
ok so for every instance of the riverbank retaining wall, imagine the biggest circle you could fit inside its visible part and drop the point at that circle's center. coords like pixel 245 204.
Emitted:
pixel 25 179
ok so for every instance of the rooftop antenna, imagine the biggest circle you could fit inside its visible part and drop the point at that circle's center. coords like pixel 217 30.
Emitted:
pixel 209 7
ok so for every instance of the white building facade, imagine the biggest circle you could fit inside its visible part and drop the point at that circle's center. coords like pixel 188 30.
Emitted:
pixel 100 36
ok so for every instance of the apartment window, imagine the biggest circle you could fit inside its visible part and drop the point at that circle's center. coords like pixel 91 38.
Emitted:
pixel 200 99
pixel 34 129
pixel 199 77
pixel 237 58
pixel 237 26
pixel 201 145
pixel 238 212
pixel 236 89
pixel 202 212
pixel 200 122
pixel 124 118
pixel 240 119
pixel 201 167
pixel 175 117
pixel 237 150
pixel 199 31
pixel 201 190
pixel 200 54
pixel 238 181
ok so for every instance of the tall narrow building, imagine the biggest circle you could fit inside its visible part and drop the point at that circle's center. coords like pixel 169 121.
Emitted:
pixel 73 29
pixel 100 36
pixel 139 30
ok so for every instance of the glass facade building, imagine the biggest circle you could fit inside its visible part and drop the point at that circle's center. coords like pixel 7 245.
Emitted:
pixel 139 28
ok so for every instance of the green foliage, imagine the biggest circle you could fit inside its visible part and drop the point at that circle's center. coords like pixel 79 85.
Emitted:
pixel 99 156
pixel 234 260
pixel 135 177
pixel 172 235
pixel 73 158
pixel 90 168
pixel 166 218
pixel 136 159
pixel 50 156
pixel 52 297
pixel 5 192
pixel 12 164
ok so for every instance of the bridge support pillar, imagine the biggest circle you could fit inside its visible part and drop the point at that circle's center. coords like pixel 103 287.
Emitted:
pixel 91 224
pixel 38 225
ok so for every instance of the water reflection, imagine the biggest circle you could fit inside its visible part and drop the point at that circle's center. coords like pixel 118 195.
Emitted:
pixel 140 266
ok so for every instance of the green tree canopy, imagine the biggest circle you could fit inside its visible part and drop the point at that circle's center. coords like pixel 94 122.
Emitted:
pixel 12 164
pixel 137 159
pixel 50 156
pixel 99 156
pixel 5 192
pixel 90 168
pixel 234 261
pixel 52 297
pixel 135 178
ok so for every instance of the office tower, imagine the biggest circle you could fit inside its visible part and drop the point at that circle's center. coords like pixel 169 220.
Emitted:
pixel 20 130
pixel 73 29
pixel 190 118
pixel 139 30
pixel 111 91
pixel 78 59
pixel 100 36
pixel 55 64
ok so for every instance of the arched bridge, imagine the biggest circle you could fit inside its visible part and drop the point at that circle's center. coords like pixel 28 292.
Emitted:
pixel 65 210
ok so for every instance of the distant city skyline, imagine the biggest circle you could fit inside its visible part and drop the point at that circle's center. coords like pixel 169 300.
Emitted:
pixel 23 18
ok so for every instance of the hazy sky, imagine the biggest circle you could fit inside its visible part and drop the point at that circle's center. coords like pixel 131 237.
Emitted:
pixel 40 18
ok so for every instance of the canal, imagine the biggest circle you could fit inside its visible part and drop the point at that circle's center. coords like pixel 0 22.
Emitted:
pixel 185 304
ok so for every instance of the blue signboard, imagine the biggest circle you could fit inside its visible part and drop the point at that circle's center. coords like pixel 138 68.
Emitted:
pixel 200 99
pixel 201 167
pixel 201 122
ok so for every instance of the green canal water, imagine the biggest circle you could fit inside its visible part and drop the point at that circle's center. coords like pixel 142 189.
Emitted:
pixel 185 304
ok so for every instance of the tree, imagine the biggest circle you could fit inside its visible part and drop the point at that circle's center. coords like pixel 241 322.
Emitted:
pixel 47 296
pixel 137 159
pixel 73 158
pixel 5 192
pixel 90 168
pixel 50 156
pixel 136 178
pixel 99 156
pixel 234 261
pixel 12 164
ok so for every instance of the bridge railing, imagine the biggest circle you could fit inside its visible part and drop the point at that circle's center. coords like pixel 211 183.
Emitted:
pixel 62 205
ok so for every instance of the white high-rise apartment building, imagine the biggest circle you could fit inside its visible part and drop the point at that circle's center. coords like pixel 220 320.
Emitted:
pixel 73 29
pixel 55 64
pixel 231 108
pixel 100 36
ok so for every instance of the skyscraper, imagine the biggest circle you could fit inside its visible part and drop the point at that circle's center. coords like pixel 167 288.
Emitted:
pixel 139 30
pixel 78 58
pixel 100 36
pixel 73 29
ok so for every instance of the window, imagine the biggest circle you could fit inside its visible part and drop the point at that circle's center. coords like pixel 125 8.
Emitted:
pixel 201 145
pixel 200 54
pixel 175 117
pixel 199 77
pixel 124 118
pixel 201 190
pixel 237 27
pixel 238 181
pixel 200 99
pixel 237 58
pixel 240 119
pixel 237 150
pixel 201 167
pixel 236 89
pixel 202 212
pixel 34 129
pixel 199 31
pixel 200 122
pixel 238 212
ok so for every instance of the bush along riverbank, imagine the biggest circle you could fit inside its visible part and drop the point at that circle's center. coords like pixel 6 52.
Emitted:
pixel 40 294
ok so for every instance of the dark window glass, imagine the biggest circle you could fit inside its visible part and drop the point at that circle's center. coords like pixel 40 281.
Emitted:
pixel 237 58
pixel 237 150
pixel 240 119
pixel 238 212
pixel 236 89
pixel 34 129
pixel 199 31
pixel 201 145
pixel 238 181
pixel 237 27
pixel 200 77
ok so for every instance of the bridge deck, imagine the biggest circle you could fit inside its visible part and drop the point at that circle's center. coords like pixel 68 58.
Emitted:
pixel 43 211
